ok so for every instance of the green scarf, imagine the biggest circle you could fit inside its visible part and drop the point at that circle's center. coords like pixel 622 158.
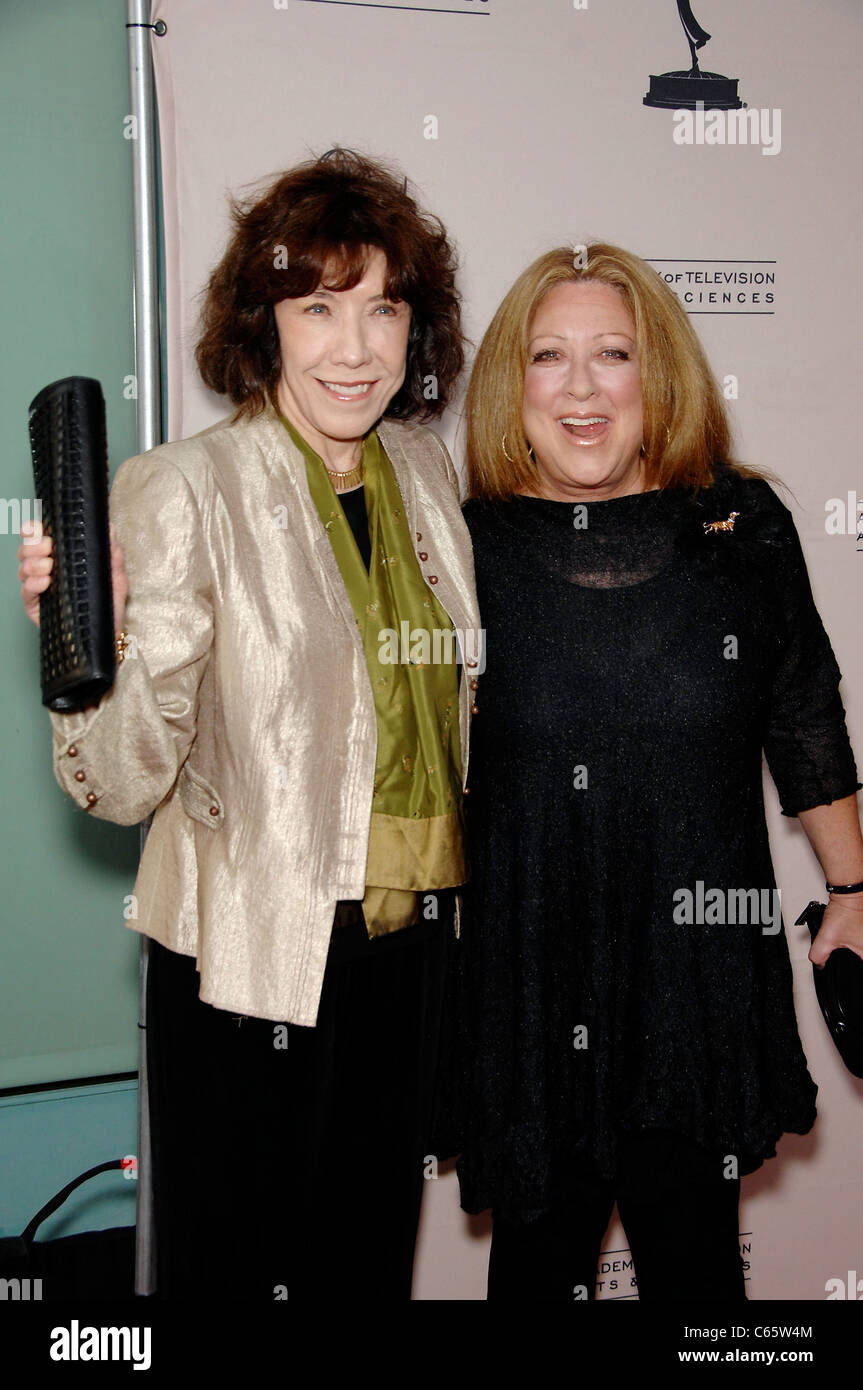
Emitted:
pixel 416 839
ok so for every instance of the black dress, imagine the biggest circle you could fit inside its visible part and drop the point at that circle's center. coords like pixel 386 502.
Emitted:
pixel 637 668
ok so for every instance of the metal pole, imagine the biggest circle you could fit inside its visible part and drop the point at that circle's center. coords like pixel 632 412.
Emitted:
pixel 148 374
pixel 147 357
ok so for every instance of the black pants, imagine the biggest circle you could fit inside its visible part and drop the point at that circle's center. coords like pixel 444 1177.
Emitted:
pixel 296 1170
pixel 680 1215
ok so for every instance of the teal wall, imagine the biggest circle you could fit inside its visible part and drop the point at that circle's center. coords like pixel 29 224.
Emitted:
pixel 68 964
pixel 47 1138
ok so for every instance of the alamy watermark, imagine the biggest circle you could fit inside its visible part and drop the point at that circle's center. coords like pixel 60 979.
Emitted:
pixel 438 646
pixel 14 510
pixel 717 907
pixel 746 126
pixel 844 517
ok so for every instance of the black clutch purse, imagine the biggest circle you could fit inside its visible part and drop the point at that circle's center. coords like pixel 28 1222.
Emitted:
pixel 839 990
pixel 68 442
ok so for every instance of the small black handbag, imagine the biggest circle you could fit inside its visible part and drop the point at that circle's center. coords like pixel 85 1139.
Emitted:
pixel 93 1264
pixel 839 990
pixel 68 442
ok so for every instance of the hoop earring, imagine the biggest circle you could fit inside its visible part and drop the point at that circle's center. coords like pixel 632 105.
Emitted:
pixel 506 452
pixel 667 442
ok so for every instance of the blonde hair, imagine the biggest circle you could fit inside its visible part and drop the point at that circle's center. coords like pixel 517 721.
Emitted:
pixel 686 430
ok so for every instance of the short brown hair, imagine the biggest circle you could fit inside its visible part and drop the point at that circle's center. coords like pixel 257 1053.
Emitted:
pixel 319 219
pixel 686 431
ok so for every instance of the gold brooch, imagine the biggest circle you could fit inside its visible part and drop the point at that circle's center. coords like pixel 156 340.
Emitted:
pixel 722 525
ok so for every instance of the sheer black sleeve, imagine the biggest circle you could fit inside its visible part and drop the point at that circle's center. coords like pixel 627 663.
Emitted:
pixel 807 747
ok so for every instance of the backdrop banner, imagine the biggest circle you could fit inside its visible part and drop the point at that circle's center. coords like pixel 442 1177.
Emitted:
pixel 523 124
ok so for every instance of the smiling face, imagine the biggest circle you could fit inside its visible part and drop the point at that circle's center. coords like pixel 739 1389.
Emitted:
pixel 582 407
pixel 343 359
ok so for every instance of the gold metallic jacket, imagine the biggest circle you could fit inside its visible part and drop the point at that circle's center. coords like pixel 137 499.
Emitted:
pixel 243 715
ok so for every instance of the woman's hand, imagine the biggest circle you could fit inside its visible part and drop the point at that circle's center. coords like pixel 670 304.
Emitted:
pixel 36 561
pixel 834 833
pixel 842 926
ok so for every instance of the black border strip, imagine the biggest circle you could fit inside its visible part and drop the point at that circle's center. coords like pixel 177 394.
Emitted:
pixel 71 1083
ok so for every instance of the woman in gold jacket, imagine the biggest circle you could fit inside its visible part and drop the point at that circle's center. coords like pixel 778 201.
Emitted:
pixel 289 704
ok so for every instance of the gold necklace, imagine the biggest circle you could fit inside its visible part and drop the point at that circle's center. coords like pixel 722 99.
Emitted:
pixel 343 482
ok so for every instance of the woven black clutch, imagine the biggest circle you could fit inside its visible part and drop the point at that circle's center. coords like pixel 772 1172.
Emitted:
pixel 839 989
pixel 68 442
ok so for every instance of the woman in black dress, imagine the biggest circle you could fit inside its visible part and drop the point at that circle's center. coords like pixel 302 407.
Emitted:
pixel 626 992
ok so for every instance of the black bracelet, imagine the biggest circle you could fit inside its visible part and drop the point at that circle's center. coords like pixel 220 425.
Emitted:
pixel 844 888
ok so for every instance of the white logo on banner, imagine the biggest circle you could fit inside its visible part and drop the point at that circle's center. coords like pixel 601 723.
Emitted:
pixel 720 287
pixel 616 1277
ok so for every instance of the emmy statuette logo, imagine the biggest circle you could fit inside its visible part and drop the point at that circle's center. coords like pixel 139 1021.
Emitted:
pixel 690 88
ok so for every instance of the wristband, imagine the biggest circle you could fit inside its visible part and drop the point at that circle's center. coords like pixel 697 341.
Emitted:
pixel 844 888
